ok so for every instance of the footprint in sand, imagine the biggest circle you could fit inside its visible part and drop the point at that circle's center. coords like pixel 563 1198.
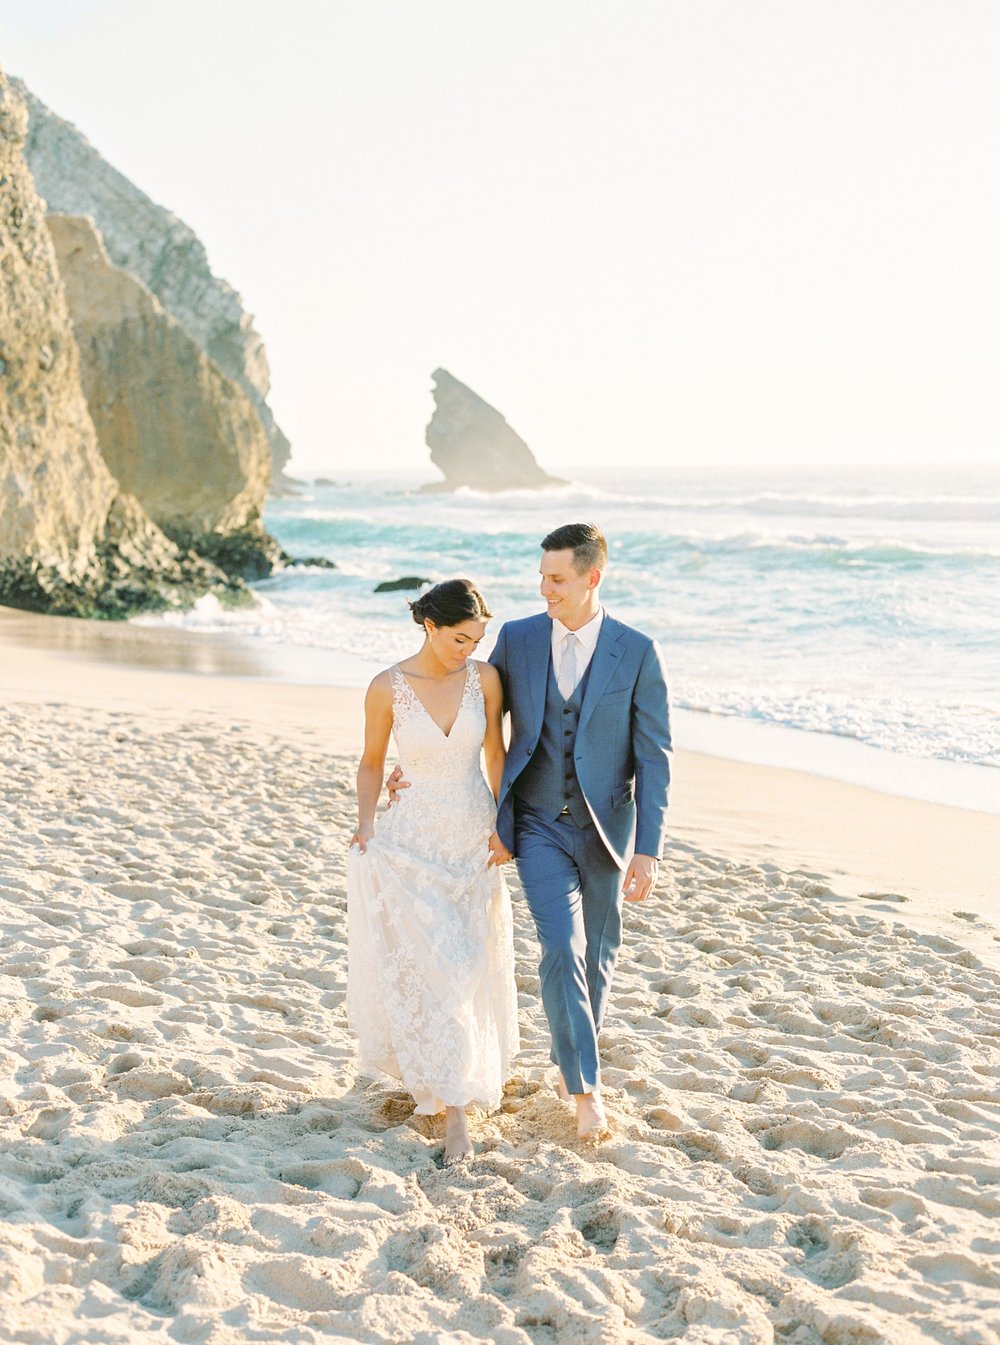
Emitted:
pixel 807 1136
pixel 396 1109
pixel 952 1268
pixel 124 994
pixel 600 1224
pixel 907 1208
pixel 341 1178
pixel 830 1259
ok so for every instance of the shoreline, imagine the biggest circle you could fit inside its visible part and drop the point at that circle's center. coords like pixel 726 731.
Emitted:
pixel 830 756
pixel 928 864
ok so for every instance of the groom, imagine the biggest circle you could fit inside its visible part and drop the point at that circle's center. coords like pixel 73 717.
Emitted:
pixel 584 792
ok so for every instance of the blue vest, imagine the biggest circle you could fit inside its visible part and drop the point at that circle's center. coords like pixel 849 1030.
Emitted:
pixel 548 783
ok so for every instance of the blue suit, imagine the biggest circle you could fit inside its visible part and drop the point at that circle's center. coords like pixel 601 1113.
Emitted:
pixel 584 786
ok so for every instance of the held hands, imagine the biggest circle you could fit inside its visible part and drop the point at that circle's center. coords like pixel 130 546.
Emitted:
pixel 499 854
pixel 640 877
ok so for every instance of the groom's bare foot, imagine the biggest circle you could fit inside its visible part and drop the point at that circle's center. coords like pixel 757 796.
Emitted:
pixel 591 1121
pixel 457 1144
pixel 564 1094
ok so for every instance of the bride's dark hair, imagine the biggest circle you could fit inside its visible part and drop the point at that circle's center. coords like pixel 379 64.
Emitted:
pixel 450 603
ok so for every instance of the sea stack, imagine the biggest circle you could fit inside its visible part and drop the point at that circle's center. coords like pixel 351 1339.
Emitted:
pixel 473 445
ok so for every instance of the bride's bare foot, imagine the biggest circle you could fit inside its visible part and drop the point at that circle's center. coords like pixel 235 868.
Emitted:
pixel 457 1144
pixel 591 1121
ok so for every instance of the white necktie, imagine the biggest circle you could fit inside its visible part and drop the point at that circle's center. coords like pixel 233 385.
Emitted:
pixel 567 678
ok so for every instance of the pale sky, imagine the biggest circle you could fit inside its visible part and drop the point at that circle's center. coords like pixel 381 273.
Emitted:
pixel 716 231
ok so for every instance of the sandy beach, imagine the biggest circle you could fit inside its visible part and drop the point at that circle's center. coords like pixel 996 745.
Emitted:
pixel 802 1057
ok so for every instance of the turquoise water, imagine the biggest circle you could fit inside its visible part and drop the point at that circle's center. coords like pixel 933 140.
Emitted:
pixel 863 604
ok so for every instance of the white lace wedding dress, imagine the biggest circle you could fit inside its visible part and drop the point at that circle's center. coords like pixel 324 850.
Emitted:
pixel 430 984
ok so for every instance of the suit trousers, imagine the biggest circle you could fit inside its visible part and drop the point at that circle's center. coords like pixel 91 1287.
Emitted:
pixel 574 892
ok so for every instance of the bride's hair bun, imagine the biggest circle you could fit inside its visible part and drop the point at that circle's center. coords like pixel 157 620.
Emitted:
pixel 450 603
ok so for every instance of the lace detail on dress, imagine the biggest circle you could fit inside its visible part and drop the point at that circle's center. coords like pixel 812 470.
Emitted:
pixel 430 990
pixel 474 684
pixel 405 700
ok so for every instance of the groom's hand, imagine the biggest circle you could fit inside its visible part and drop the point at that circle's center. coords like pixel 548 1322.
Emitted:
pixel 499 854
pixel 395 782
pixel 640 878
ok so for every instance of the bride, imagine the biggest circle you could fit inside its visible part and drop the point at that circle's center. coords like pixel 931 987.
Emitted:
pixel 430 984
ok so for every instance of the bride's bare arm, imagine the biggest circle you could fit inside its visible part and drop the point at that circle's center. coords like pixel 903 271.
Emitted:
pixel 378 726
pixel 493 744
pixel 493 749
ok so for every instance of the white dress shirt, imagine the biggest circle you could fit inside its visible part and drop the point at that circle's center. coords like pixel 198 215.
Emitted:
pixel 586 643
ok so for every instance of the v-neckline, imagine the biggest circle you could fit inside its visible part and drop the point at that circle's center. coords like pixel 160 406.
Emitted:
pixel 461 702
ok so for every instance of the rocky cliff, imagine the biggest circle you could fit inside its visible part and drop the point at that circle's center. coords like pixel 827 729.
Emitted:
pixel 152 244
pixel 71 539
pixel 474 446
pixel 174 430
pixel 50 445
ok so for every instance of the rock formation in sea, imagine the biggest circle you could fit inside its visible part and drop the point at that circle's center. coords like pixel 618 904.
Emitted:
pixel 71 539
pixel 474 446
pixel 152 244
pixel 174 430
pixel 407 581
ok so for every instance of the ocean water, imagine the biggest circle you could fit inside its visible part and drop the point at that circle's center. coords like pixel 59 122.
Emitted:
pixel 863 604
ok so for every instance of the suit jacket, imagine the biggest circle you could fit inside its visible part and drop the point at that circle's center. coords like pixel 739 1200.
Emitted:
pixel 622 754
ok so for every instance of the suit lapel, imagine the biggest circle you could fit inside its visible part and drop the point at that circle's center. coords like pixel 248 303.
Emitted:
pixel 607 652
pixel 538 651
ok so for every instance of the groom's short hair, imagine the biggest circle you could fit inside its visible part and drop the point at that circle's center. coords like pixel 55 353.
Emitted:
pixel 585 540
